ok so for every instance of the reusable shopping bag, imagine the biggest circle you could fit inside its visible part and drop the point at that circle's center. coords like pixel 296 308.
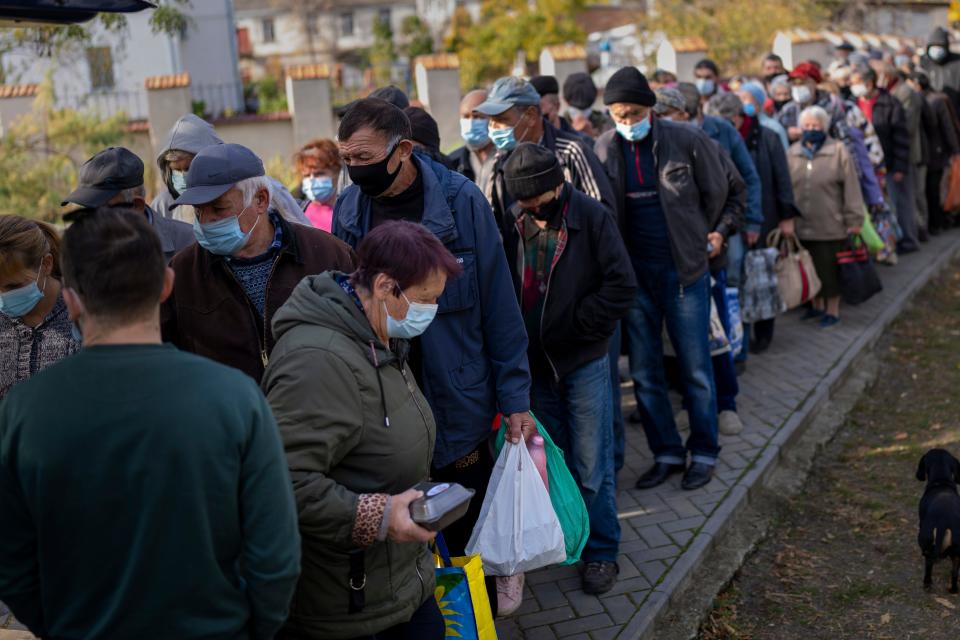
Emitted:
pixel 761 293
pixel 870 236
pixel 734 320
pixel 565 495
pixel 518 530
pixel 462 596
pixel 951 200
pixel 796 276
pixel 858 277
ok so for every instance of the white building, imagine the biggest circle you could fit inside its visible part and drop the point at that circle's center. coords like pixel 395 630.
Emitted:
pixel 109 73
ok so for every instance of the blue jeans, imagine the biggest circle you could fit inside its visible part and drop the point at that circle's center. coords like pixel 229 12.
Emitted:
pixel 901 198
pixel 724 371
pixel 577 414
pixel 619 435
pixel 686 311
pixel 734 274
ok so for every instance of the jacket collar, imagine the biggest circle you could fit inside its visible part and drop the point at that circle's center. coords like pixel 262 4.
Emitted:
pixel 829 148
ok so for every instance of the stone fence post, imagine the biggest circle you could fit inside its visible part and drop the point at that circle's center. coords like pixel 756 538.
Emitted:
pixel 561 61
pixel 168 100
pixel 15 100
pixel 680 55
pixel 438 88
pixel 310 101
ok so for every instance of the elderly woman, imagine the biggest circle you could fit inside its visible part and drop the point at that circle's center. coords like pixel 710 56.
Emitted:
pixel 358 435
pixel 318 164
pixel 827 192
pixel 35 329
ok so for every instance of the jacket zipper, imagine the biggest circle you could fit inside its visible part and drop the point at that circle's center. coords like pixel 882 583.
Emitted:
pixel 546 296
pixel 423 416
pixel 253 315
pixel 266 325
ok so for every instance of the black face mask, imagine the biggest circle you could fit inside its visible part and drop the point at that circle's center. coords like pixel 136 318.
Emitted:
pixel 778 104
pixel 374 179
pixel 548 211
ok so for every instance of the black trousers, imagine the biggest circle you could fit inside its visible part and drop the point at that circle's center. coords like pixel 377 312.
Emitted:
pixel 763 329
pixel 473 472
pixel 937 219
pixel 426 624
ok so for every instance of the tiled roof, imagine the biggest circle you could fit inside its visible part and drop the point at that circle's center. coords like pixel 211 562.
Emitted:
pixel 137 126
pixel 562 52
pixel 246 118
pixel 18 90
pixel 311 71
pixel 175 81
pixel 438 61
pixel 801 36
pixel 688 44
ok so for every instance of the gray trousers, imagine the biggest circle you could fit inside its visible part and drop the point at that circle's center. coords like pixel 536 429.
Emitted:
pixel 920 195
pixel 904 205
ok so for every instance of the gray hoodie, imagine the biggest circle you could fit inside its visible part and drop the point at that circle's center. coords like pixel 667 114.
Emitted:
pixel 192 134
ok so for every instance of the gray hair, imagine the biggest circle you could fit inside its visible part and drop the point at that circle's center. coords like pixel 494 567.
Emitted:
pixel 131 194
pixel 250 186
pixel 725 105
pixel 175 155
pixel 816 112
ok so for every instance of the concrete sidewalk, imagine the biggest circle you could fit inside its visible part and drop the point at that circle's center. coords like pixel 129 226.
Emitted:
pixel 666 531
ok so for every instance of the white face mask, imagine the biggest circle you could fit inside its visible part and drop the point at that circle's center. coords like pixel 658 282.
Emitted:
pixel 801 94
pixel 858 90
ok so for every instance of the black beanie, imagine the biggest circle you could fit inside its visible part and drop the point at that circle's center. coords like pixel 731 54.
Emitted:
pixel 393 95
pixel 629 85
pixel 579 90
pixel 531 171
pixel 545 85
pixel 423 127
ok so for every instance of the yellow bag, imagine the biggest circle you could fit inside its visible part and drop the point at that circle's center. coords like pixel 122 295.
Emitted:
pixel 462 596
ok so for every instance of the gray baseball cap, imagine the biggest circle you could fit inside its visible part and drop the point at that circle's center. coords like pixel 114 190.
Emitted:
pixel 669 98
pixel 104 176
pixel 509 92
pixel 215 170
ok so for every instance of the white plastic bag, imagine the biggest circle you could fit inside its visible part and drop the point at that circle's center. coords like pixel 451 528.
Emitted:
pixel 518 530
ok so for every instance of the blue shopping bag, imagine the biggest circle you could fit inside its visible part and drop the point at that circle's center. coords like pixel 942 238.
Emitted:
pixel 462 595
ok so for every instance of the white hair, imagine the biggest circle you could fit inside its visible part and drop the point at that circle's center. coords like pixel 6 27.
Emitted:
pixel 250 186
pixel 816 112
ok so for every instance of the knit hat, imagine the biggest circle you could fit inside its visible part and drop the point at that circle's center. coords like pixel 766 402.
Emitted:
pixel 807 70
pixel 756 90
pixel 691 97
pixel 393 95
pixel 531 171
pixel 579 90
pixel 725 105
pixel 545 85
pixel 668 98
pixel 629 85
pixel 423 127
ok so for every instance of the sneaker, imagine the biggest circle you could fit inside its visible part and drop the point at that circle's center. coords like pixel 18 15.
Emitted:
pixel 599 577
pixel 730 424
pixel 509 594
pixel 829 321
pixel 682 419
pixel 812 314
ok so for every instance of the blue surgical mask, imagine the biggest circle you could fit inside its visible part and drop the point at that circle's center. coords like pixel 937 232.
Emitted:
pixel 937 53
pixel 750 109
pixel 575 113
pixel 901 60
pixel 21 301
pixel 475 131
pixel 179 180
pixel 503 139
pixel 418 318
pixel 223 237
pixel 317 188
pixel 705 86
pixel 636 131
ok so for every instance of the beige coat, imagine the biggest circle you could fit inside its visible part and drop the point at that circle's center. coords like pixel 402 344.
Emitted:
pixel 827 191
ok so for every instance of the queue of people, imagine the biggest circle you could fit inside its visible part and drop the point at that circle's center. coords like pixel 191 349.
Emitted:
pixel 273 370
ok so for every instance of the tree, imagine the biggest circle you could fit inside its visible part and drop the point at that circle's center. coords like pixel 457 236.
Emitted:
pixel 737 33
pixel 41 152
pixel 417 36
pixel 487 50
pixel 382 53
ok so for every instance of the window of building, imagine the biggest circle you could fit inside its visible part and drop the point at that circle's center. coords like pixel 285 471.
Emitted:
pixel 100 62
pixel 313 24
pixel 346 24
pixel 384 15
pixel 266 26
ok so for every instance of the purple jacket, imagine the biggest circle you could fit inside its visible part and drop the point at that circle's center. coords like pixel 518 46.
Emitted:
pixel 869 185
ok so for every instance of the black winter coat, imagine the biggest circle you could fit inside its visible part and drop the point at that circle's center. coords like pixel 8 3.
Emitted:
pixel 776 187
pixel 890 123
pixel 944 143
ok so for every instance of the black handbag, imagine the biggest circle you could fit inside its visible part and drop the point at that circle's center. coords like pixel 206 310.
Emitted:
pixel 859 280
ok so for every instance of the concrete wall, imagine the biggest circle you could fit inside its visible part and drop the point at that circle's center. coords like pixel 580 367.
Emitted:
pixel 267 139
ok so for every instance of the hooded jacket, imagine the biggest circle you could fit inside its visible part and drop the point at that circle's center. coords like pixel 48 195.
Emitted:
pixel 944 75
pixel 354 426
pixel 475 351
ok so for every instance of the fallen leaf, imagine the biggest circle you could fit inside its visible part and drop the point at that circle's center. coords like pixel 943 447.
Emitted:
pixel 946 603
pixel 903 435
pixel 885 618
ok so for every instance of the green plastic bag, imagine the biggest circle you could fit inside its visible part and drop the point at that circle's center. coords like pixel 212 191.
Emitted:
pixel 564 494
pixel 870 236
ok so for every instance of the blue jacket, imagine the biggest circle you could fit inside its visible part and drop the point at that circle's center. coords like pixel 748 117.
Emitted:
pixel 475 351
pixel 731 142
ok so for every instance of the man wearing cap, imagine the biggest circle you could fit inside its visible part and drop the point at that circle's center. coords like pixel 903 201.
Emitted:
pixel 679 201
pixel 841 56
pixel 245 264
pixel 580 93
pixel 513 107
pixel 575 283
pixel 475 132
pixel 549 90
pixel 114 177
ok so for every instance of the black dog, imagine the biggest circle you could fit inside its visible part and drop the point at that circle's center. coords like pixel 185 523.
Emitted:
pixel 940 513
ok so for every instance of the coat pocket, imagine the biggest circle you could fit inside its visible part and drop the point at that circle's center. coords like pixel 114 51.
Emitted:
pixel 461 294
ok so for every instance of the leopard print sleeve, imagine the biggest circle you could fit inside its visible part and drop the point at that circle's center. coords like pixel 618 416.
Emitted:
pixel 370 514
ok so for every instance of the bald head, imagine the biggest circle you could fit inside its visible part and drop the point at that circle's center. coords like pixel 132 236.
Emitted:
pixel 471 101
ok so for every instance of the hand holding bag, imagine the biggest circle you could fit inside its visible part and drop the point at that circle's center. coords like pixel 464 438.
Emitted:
pixel 858 277
pixel 796 275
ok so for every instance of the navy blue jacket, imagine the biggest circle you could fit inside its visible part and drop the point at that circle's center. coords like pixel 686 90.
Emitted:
pixel 475 351
pixel 730 141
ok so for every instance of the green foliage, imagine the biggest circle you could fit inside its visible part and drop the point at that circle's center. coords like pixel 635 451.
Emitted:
pixel 487 50
pixel 271 98
pixel 382 53
pixel 41 152
pixel 417 35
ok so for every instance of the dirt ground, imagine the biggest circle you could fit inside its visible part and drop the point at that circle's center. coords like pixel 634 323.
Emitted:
pixel 842 561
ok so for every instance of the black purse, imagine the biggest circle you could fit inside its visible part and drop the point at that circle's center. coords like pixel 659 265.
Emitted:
pixel 859 280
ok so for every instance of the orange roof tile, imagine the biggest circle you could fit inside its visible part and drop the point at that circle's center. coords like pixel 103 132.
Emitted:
pixel 18 90
pixel 311 71
pixel 438 61
pixel 688 44
pixel 175 81
pixel 562 52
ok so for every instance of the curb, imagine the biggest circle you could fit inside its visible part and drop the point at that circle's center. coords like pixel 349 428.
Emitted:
pixel 643 623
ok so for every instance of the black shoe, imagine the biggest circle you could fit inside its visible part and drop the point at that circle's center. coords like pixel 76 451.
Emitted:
pixel 740 366
pixel 635 417
pixel 599 577
pixel 697 476
pixel 657 475
pixel 812 314
pixel 759 345
pixel 934 231
pixel 922 235
pixel 905 249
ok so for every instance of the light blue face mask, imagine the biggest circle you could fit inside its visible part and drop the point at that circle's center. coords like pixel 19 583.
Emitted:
pixel 575 113
pixel 706 86
pixel 503 139
pixel 179 180
pixel 418 318
pixel 21 301
pixel 636 131
pixel 475 131
pixel 317 188
pixel 750 109
pixel 223 237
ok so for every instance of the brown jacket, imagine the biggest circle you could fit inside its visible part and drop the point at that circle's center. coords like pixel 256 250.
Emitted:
pixel 826 190
pixel 210 314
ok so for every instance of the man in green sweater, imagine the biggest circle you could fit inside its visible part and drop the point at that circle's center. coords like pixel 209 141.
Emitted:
pixel 144 492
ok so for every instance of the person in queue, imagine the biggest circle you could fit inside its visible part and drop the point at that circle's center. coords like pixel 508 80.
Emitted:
pixel 668 217
pixel 318 165
pixel 35 328
pixel 151 500
pixel 246 262
pixel 580 93
pixel 477 148
pixel 943 147
pixel 706 75
pixel 358 435
pixel 114 178
pixel 780 93
pixel 771 67
pixel 828 193
pixel 549 90
pixel 425 134
pixel 575 283
pixel 942 65
pixel 478 330
pixel 753 96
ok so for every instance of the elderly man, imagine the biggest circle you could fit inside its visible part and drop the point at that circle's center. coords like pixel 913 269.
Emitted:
pixel 114 177
pixel 549 90
pixel 471 362
pixel 673 222
pixel 245 265
pixel 513 107
pixel 474 129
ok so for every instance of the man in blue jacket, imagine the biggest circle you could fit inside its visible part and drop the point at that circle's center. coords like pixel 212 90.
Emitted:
pixel 472 362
